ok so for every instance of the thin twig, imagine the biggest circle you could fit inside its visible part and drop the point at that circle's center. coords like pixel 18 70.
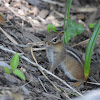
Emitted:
pixel 37 43
pixel 54 2
pixel 39 49
pixel 8 36
pixel 83 9
pixel 42 85
pixel 94 83
pixel 84 42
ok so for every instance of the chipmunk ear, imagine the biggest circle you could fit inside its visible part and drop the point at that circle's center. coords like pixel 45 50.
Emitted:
pixel 61 35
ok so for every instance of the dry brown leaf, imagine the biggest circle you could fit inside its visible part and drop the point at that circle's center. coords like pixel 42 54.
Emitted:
pixel 2 21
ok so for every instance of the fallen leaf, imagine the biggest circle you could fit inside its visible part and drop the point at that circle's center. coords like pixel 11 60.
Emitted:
pixel 2 21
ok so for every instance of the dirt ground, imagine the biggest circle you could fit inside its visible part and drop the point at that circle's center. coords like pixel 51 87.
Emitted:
pixel 26 27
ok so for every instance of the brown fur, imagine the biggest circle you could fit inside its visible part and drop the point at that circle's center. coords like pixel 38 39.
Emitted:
pixel 60 55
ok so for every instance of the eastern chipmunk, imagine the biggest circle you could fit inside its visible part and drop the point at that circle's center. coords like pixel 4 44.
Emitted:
pixel 60 54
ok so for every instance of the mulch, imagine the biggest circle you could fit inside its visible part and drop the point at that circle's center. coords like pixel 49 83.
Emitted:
pixel 26 27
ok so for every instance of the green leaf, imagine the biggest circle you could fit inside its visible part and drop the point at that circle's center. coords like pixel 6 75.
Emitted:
pixel 89 50
pixel 52 27
pixel 91 25
pixel 19 74
pixel 14 62
pixel 7 70
pixel 74 29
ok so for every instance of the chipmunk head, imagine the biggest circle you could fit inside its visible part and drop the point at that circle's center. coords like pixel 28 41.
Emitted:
pixel 55 40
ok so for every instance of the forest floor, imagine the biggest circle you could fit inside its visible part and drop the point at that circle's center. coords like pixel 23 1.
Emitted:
pixel 26 27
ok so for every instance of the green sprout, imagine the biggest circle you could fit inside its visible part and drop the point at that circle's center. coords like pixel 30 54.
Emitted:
pixel 14 64
pixel 51 27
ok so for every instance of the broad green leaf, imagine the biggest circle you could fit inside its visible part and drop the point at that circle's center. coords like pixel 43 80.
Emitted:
pixel 89 50
pixel 51 27
pixel 74 29
pixel 91 25
pixel 19 74
pixel 7 70
pixel 14 62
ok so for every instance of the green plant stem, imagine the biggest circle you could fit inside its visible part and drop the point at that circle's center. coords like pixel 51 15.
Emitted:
pixel 65 15
pixel 67 12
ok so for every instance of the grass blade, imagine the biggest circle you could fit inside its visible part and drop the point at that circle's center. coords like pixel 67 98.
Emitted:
pixel 89 50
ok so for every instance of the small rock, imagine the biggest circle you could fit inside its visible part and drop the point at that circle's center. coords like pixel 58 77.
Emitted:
pixel 36 22
pixel 43 13
pixel 52 20
pixel 34 2
pixel 20 12
pixel 80 16
pixel 35 11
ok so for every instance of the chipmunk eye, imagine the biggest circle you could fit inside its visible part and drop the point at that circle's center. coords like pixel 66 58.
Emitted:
pixel 55 40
